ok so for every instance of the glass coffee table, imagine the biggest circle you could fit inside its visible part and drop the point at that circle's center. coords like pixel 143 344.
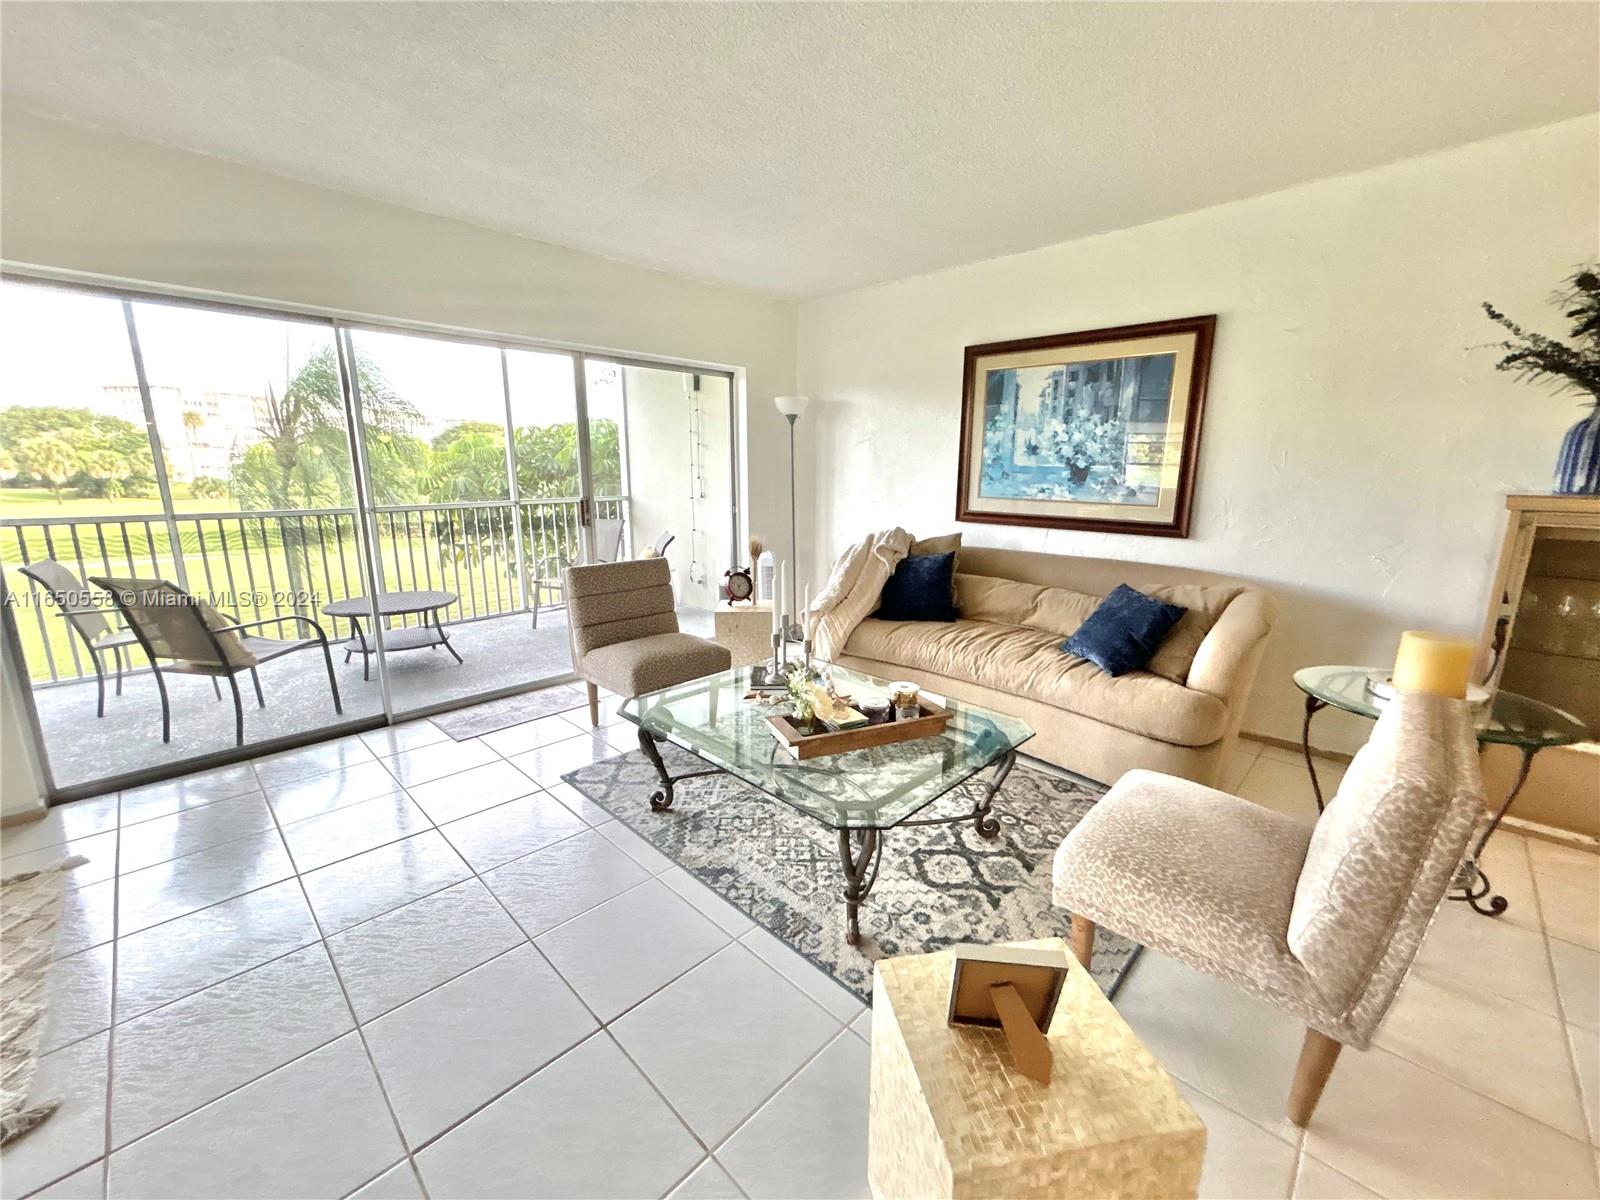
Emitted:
pixel 861 794
pixel 1512 720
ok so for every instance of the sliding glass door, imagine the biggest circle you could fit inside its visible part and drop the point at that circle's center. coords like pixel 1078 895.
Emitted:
pixel 199 456
pixel 465 566
pixel 412 500
pixel 79 500
pixel 542 403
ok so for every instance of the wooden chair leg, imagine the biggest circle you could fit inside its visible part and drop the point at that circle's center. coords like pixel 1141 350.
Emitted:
pixel 594 703
pixel 1317 1056
pixel 1083 939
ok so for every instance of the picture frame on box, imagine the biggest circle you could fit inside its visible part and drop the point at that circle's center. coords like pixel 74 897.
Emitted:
pixel 1014 989
pixel 1098 429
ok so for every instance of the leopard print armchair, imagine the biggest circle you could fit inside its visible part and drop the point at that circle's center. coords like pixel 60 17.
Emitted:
pixel 1321 921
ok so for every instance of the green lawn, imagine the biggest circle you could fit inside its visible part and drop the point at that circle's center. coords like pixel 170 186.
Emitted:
pixel 38 503
pixel 255 566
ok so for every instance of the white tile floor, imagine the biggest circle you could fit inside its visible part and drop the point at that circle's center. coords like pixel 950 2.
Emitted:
pixel 396 965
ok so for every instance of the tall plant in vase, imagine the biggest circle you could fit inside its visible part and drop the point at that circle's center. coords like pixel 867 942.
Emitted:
pixel 1569 367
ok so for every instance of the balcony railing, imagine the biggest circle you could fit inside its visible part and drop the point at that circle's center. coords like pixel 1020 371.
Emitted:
pixel 271 563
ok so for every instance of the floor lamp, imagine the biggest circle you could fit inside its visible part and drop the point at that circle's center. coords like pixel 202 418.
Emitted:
pixel 792 407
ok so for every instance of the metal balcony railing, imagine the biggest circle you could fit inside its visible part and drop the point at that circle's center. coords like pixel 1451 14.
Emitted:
pixel 270 563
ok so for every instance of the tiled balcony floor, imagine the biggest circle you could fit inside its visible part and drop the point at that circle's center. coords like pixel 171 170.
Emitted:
pixel 395 962
pixel 498 653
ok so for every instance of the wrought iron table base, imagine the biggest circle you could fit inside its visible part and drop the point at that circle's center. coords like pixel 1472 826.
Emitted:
pixel 1470 884
pixel 661 798
pixel 1313 707
pixel 860 850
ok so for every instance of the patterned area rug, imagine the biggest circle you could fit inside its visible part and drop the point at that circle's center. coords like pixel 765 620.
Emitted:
pixel 463 724
pixel 937 884
pixel 30 909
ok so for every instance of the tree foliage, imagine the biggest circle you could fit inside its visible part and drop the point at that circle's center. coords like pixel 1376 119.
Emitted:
pixel 299 458
pixel 94 453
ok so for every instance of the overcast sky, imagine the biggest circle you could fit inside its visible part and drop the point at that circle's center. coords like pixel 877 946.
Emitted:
pixel 65 348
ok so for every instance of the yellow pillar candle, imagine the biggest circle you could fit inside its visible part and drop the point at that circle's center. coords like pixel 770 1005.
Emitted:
pixel 1434 662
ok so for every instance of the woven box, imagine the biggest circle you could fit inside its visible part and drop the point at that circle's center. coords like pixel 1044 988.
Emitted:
pixel 746 630
pixel 950 1117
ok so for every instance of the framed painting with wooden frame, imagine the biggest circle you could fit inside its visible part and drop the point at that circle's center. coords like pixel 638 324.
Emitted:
pixel 1095 430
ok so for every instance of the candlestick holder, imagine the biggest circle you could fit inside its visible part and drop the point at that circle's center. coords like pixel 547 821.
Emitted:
pixel 769 677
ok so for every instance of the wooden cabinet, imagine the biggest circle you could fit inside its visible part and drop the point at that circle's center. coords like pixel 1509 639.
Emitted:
pixel 1542 639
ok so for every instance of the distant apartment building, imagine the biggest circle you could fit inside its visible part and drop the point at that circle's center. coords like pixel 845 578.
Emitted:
pixel 201 444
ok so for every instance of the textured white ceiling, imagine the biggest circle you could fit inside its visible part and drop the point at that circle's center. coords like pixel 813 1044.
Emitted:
pixel 801 149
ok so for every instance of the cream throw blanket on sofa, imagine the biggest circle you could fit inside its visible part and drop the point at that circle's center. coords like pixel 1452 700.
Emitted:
pixel 854 588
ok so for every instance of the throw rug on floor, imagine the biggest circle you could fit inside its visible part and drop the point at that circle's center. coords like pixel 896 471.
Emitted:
pixel 463 724
pixel 30 910
pixel 937 884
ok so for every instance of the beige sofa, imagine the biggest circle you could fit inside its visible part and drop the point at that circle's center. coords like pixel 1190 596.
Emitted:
pixel 1181 716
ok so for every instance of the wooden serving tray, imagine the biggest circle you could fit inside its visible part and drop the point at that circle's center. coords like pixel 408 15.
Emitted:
pixel 803 746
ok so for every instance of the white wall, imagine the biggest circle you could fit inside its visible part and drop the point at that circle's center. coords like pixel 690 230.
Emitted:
pixel 1357 438
pixel 660 480
pixel 84 200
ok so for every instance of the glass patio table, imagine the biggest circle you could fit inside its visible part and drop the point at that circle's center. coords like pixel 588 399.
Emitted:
pixel 861 794
pixel 1512 720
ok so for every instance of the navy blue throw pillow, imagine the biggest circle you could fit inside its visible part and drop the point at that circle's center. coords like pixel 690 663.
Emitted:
pixel 1124 631
pixel 922 588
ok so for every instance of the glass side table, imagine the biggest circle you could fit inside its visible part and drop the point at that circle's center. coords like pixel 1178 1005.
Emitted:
pixel 1529 725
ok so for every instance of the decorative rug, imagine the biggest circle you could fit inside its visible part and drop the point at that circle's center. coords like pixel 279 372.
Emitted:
pixel 30 909
pixel 463 724
pixel 937 884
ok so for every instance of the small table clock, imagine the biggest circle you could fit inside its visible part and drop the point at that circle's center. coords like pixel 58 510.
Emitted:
pixel 739 586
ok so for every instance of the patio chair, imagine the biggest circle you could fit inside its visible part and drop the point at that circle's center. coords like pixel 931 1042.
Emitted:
pixel 75 605
pixel 607 549
pixel 193 638
pixel 607 539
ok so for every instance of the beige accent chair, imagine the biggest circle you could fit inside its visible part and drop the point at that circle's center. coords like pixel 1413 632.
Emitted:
pixel 1180 716
pixel 625 635
pixel 1322 921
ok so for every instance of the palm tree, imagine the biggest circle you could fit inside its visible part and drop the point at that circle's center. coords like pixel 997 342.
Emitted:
pixel 192 424
pixel 303 432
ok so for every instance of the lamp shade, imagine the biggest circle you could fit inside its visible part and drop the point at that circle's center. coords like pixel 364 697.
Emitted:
pixel 792 406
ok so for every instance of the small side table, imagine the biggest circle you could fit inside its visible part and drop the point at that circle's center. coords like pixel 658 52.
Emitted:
pixel 950 1117
pixel 746 630
pixel 1521 721
pixel 430 633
